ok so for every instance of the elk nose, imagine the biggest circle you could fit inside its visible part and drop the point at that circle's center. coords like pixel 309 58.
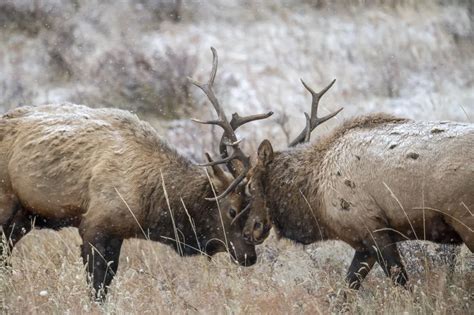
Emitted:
pixel 251 260
pixel 248 236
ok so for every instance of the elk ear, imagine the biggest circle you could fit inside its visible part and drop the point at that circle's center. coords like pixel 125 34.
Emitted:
pixel 265 152
pixel 219 179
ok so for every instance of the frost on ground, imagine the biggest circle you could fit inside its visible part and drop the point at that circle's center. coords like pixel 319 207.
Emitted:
pixel 409 58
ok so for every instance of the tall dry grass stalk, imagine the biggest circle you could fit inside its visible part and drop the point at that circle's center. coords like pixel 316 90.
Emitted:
pixel 47 276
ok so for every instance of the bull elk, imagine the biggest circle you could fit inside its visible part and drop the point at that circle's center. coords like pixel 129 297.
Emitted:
pixel 110 175
pixel 374 181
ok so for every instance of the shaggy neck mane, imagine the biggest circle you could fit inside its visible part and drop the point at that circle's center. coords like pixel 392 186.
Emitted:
pixel 191 185
pixel 184 183
pixel 293 178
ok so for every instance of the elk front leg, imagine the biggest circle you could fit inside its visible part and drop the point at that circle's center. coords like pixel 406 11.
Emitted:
pixel 389 259
pixel 100 253
pixel 361 265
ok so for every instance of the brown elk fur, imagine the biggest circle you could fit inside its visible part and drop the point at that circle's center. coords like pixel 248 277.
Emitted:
pixel 373 182
pixel 105 172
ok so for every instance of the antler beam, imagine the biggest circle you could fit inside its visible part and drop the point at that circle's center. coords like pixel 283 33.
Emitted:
pixel 229 139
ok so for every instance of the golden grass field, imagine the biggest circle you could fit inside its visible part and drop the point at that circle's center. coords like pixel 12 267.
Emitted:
pixel 48 278
pixel 405 57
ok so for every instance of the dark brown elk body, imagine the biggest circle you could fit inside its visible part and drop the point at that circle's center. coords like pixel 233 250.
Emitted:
pixel 373 182
pixel 107 173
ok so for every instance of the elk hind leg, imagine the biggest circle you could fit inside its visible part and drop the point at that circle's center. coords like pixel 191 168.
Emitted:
pixel 465 229
pixel 9 205
pixel 100 253
pixel 13 231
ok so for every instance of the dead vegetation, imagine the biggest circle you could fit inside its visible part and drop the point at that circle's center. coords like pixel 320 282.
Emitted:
pixel 48 277
pixel 84 53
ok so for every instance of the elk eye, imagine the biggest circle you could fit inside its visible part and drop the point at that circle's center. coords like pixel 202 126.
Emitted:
pixel 232 212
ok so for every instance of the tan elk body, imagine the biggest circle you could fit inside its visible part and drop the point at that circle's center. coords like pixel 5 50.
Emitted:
pixel 111 175
pixel 377 173
pixel 373 182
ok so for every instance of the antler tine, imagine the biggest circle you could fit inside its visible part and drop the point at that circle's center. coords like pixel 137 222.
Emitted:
pixel 235 123
pixel 234 183
pixel 207 89
pixel 238 121
pixel 214 66
pixel 216 162
pixel 206 122
pixel 314 120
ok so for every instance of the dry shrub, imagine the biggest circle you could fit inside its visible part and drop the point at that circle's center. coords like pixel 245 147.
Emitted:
pixel 30 20
pixel 320 4
pixel 85 53
pixel 154 85
pixel 172 71
pixel 165 9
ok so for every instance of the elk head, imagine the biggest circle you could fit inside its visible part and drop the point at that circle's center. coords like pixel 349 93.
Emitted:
pixel 258 223
pixel 230 185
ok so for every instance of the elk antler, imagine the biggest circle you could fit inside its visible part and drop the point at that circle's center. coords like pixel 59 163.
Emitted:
pixel 313 121
pixel 229 139
pixel 235 123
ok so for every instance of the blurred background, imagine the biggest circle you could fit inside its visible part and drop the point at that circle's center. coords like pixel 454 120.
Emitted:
pixel 412 58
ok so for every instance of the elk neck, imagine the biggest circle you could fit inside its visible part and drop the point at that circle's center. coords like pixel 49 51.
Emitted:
pixel 174 197
pixel 291 190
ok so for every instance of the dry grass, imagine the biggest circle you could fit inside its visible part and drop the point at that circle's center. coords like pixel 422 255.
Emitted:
pixel 48 277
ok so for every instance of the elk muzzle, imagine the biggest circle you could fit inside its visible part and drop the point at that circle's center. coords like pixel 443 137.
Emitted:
pixel 256 229
pixel 243 253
